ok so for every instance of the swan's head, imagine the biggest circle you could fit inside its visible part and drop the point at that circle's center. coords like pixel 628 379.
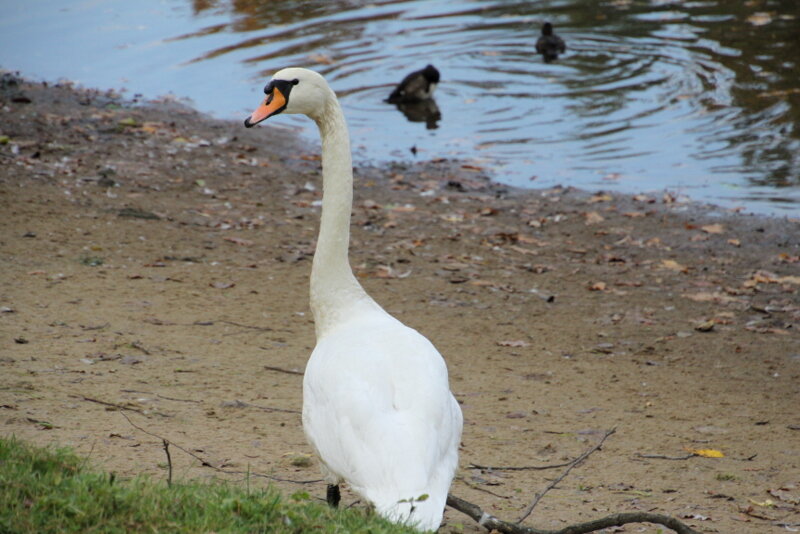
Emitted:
pixel 292 90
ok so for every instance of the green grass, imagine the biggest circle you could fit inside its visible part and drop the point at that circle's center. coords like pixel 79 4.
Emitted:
pixel 52 491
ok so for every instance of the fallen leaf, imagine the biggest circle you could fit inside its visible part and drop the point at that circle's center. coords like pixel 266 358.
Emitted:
pixel 322 59
pixel 673 265
pixel 222 285
pixel 767 330
pixel 759 19
pixel 522 250
pixel 514 343
pixel 597 286
pixel 735 242
pixel 593 217
pixel 766 277
pixel 471 167
pixel 705 326
pixel 789 493
pixel 713 228
pixel 601 197
pixel 706 453
pixel 240 241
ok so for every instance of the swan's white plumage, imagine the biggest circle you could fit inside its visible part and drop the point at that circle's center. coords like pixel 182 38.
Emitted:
pixel 377 406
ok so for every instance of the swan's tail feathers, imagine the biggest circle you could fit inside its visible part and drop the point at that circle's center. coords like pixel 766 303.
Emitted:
pixel 423 512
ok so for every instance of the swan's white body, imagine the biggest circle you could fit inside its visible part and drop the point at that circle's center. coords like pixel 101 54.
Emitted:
pixel 377 406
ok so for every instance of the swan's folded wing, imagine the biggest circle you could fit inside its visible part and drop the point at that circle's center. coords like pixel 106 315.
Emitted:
pixel 378 409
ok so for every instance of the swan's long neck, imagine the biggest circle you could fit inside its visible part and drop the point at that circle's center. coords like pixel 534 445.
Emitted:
pixel 335 292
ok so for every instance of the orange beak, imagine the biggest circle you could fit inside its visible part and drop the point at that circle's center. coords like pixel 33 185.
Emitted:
pixel 273 104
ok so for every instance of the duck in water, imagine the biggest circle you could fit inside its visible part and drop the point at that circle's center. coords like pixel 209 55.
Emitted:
pixel 550 44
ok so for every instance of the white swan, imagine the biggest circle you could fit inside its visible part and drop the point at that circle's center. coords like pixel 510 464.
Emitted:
pixel 377 407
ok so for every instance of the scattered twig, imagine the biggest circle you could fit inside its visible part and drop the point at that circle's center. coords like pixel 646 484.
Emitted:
pixel 202 460
pixel 281 370
pixel 663 457
pixel 572 464
pixel 261 328
pixel 241 404
pixel 206 463
pixel 492 523
pixel 519 468
pixel 169 461
pixel 121 407
pixel 478 488
pixel 174 399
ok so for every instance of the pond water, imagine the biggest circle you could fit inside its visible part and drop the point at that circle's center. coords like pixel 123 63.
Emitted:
pixel 701 98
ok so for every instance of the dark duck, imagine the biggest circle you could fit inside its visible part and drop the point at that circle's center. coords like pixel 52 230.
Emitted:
pixel 417 86
pixel 550 44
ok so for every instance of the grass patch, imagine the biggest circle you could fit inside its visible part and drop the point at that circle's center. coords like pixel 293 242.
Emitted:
pixel 52 491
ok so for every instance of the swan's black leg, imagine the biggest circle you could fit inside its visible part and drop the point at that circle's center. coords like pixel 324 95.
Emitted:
pixel 333 496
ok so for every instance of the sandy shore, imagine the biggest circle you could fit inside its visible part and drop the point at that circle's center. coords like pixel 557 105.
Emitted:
pixel 158 260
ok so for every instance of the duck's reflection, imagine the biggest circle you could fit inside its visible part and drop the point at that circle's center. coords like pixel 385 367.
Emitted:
pixel 421 111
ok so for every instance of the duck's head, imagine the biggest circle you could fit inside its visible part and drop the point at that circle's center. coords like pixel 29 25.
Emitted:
pixel 292 90
pixel 547 29
pixel 431 74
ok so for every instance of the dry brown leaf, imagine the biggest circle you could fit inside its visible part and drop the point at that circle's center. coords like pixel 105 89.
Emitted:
pixel 634 214
pixel 713 228
pixel 597 286
pixel 761 277
pixel 789 493
pixel 601 197
pixel 759 19
pixel 735 242
pixel 240 241
pixel 705 326
pixel 322 59
pixel 513 343
pixel 523 250
pixel 471 167
pixel 592 217
pixel 710 297
pixel 673 265
pixel 767 330
pixel 522 238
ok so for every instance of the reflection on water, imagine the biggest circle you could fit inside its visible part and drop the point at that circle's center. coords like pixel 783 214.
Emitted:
pixel 700 96
pixel 421 111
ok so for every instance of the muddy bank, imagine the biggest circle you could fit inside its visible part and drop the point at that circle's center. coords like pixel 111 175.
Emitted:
pixel 158 260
